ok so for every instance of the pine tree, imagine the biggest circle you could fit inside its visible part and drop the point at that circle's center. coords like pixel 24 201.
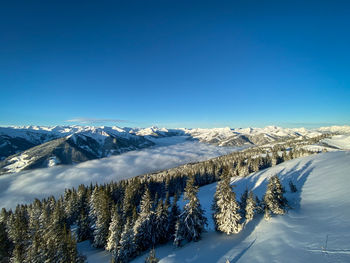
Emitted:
pixel 18 234
pixel 243 202
pixel 127 248
pixel 152 257
pixel 227 216
pixel 173 217
pixel 144 228
pixel 192 221
pixel 83 226
pixel 5 243
pixel 250 207
pixel 101 207
pixel 162 223
pixel 274 200
pixel 115 231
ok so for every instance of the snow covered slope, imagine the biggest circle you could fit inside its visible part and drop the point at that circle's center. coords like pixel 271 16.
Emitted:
pixel 315 230
pixel 338 141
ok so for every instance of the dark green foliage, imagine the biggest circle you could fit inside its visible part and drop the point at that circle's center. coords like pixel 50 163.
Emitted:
pixel 83 227
pixel 5 243
pixel 173 217
pixel 100 204
pixel 243 203
pixel 18 233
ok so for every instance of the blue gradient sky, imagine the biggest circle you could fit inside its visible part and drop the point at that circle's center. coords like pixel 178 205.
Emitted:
pixel 175 63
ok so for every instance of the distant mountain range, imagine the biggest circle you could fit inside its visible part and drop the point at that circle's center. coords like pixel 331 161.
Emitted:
pixel 28 147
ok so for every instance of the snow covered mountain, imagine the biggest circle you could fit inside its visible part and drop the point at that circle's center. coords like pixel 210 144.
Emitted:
pixel 27 147
pixel 43 147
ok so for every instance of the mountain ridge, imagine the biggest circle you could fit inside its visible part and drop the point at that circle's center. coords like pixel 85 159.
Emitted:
pixel 28 147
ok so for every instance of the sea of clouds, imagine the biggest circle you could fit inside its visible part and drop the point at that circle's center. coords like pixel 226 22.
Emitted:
pixel 24 187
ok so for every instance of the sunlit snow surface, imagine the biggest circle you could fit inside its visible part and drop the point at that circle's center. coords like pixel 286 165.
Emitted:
pixel 315 230
pixel 23 187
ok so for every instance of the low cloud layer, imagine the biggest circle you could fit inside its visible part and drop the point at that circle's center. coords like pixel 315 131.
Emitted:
pixel 23 187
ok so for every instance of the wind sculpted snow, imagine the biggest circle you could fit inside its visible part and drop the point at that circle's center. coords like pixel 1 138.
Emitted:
pixel 23 187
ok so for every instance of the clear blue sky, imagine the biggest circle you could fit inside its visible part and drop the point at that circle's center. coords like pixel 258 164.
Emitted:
pixel 175 63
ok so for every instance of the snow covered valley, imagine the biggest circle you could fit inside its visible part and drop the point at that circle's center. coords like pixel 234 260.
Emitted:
pixel 316 229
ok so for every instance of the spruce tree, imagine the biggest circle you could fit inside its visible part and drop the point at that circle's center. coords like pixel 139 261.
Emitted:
pixel 144 228
pixel 274 200
pixel 83 226
pixel 243 202
pixel 173 217
pixel 191 221
pixel 101 205
pixel 115 231
pixel 5 244
pixel 127 248
pixel 162 223
pixel 227 217
pixel 250 207
pixel 18 233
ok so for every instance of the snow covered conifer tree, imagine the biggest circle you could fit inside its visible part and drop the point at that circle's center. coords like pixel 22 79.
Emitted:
pixel 18 233
pixel 227 216
pixel 83 226
pixel 101 211
pixel 5 243
pixel 115 231
pixel 127 248
pixel 274 200
pixel 144 228
pixel 192 221
pixel 173 217
pixel 250 207
pixel 162 223
pixel 243 202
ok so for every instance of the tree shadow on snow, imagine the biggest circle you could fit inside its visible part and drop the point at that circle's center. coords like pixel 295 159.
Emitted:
pixel 298 177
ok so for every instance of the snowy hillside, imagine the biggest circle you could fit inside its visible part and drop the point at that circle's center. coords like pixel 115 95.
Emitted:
pixel 315 230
